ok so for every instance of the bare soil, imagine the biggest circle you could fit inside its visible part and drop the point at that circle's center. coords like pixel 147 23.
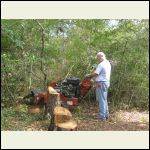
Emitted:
pixel 87 120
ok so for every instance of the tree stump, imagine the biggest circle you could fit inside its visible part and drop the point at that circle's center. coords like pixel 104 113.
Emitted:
pixel 61 118
pixel 53 101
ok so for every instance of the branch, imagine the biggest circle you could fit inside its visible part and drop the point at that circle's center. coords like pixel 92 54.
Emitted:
pixel 35 75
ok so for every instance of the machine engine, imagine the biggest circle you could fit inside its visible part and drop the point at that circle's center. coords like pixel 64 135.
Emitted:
pixel 70 87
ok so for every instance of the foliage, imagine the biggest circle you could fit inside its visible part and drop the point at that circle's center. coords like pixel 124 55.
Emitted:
pixel 37 51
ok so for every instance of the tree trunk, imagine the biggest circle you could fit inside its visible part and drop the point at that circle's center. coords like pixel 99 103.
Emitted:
pixel 61 118
pixel 42 53
pixel 53 98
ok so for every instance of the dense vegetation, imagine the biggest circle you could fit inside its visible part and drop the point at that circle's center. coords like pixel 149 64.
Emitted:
pixel 35 52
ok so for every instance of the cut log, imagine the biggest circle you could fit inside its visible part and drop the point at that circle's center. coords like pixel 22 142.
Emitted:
pixel 62 115
pixel 69 125
pixel 63 119
pixel 35 109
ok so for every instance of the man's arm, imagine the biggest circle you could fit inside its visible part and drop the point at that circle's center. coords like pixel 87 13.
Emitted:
pixel 92 75
pixel 96 72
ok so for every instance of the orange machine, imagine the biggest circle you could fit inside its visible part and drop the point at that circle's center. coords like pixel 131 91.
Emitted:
pixel 71 90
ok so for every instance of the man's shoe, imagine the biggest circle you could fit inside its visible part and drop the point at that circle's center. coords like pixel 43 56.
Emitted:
pixel 107 118
pixel 102 119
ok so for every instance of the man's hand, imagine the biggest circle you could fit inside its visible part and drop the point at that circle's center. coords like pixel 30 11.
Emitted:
pixel 91 75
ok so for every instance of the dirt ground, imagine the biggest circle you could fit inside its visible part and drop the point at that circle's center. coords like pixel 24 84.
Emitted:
pixel 86 117
pixel 118 121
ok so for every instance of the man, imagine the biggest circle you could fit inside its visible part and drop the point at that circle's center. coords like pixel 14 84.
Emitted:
pixel 102 74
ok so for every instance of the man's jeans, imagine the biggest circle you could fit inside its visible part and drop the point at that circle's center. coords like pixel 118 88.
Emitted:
pixel 101 96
